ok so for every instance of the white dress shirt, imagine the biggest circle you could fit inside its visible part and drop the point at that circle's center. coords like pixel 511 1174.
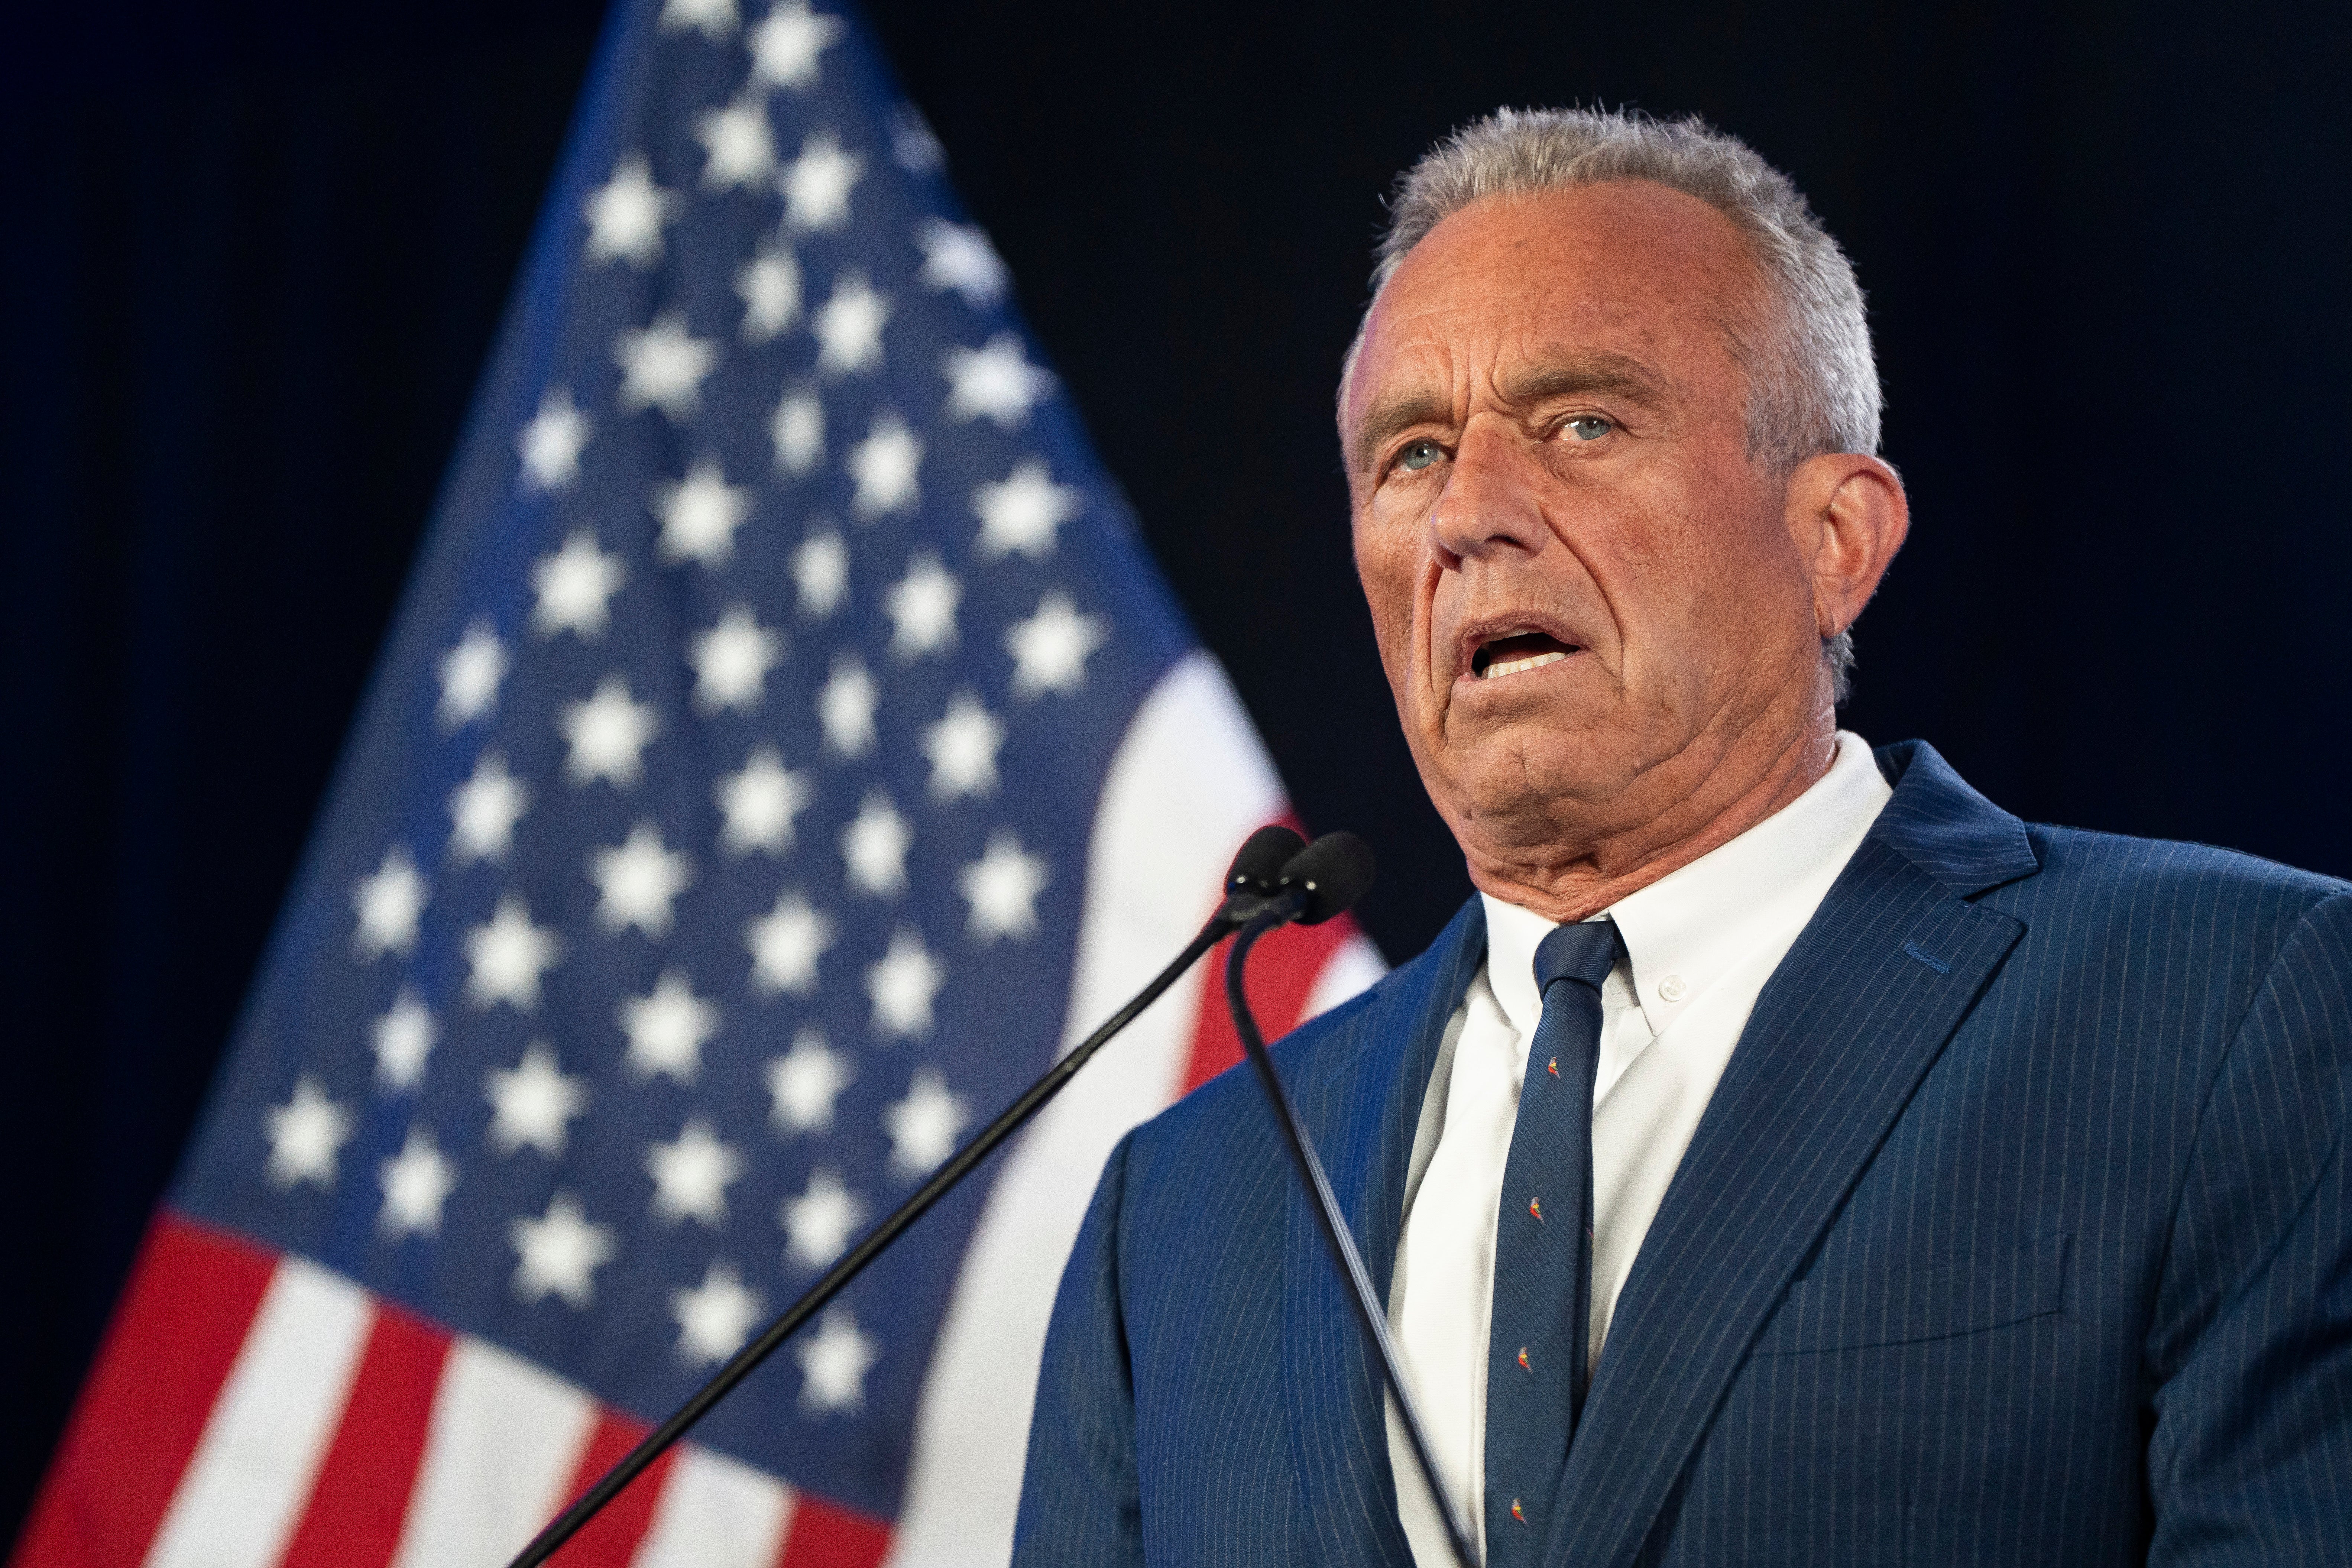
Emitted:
pixel 1698 945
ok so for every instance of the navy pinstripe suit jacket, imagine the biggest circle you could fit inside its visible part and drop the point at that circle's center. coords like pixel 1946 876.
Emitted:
pixel 2018 1231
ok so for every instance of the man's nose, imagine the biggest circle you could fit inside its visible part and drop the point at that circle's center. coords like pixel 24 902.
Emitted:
pixel 1492 499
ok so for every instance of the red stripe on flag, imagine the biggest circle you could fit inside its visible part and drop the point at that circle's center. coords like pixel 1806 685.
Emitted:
pixel 825 1535
pixel 175 1334
pixel 611 1539
pixel 1282 970
pixel 360 1497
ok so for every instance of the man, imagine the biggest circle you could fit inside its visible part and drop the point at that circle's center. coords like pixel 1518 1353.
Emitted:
pixel 1957 1191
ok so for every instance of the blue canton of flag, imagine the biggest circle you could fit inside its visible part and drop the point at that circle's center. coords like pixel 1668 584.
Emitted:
pixel 710 854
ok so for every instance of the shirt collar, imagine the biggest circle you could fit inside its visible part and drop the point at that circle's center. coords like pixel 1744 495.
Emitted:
pixel 1686 929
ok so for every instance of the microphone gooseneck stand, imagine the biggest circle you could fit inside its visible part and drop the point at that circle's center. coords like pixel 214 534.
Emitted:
pixel 1329 875
pixel 1250 886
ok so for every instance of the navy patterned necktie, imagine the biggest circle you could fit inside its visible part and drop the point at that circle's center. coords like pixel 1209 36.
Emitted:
pixel 1543 1251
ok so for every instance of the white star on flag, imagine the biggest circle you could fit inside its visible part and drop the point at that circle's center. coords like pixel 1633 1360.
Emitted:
pixel 731 661
pixel 785 945
pixel 306 1135
pixel 833 1364
pixel 667 1028
pixel 692 1175
pixel 662 367
pixel 874 848
pixel 700 513
pixel 402 1037
pixel 796 430
pixel 532 1102
pixel 574 587
pixel 715 1318
pixel 761 801
pixel 912 146
pixel 1019 514
pixel 1050 648
pixel 848 325
pixel 923 1126
pixel 560 1253
pixel 471 673
pixel 417 1182
pixel 963 746
pixel 844 706
pixel 770 287
pixel 901 985
pixel 626 215
pixel 803 1083
pixel 884 466
pixel 821 574
pixel 738 148
pixel 817 184
pixel 637 882
pixel 922 607
pixel 608 734
pixel 818 1223
pixel 714 19
pixel 1002 886
pixel 996 382
pixel 509 954
pixel 484 809
pixel 786 46
pixel 551 442
pixel 388 901
pixel 959 257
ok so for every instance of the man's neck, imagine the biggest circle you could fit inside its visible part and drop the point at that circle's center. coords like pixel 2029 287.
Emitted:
pixel 1571 879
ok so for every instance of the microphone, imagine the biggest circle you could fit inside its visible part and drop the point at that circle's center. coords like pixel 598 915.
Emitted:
pixel 1261 859
pixel 1265 874
pixel 1318 882
pixel 1332 873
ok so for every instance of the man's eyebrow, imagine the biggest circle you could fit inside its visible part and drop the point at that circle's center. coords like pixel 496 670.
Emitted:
pixel 1610 374
pixel 1385 419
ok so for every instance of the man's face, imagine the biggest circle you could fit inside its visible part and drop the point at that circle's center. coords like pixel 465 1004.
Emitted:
pixel 1586 597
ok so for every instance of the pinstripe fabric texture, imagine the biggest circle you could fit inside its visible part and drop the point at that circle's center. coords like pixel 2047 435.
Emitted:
pixel 2018 1231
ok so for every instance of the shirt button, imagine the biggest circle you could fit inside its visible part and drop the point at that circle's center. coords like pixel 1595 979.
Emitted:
pixel 1673 988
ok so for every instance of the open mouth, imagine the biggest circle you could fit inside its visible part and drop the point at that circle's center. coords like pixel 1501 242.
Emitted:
pixel 1519 651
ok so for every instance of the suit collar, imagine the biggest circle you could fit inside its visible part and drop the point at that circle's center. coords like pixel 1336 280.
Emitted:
pixel 1945 828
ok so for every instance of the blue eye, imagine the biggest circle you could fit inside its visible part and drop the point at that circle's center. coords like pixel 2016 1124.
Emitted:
pixel 1588 428
pixel 1418 455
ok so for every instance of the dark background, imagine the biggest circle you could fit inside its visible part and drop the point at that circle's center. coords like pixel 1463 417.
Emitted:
pixel 251 258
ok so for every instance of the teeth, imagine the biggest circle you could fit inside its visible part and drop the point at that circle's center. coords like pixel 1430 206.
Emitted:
pixel 1503 667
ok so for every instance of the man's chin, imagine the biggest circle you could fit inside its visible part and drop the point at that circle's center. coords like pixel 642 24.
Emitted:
pixel 1526 793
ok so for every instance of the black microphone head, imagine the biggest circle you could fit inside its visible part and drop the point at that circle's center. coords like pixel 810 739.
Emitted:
pixel 1261 859
pixel 1334 872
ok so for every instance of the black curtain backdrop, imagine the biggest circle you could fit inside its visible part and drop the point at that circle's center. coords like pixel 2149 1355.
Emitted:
pixel 251 258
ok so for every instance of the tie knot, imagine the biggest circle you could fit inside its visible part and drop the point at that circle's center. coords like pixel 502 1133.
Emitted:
pixel 1584 952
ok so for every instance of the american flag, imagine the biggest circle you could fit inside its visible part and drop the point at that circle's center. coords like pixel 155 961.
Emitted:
pixel 784 748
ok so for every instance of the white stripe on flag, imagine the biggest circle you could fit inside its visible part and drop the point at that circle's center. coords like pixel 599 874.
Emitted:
pixel 1188 784
pixel 244 1487
pixel 1353 965
pixel 715 1512
pixel 502 1444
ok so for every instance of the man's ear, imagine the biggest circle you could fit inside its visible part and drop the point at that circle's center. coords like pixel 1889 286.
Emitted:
pixel 1848 516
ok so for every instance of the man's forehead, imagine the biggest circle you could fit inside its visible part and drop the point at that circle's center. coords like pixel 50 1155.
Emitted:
pixel 1510 294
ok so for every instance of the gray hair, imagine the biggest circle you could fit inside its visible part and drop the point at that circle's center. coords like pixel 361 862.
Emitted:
pixel 1813 383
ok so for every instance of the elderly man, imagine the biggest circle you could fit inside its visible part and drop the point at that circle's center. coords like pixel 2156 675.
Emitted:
pixel 1788 1156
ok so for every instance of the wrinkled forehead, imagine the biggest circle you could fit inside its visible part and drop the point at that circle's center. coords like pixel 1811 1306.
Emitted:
pixel 1508 289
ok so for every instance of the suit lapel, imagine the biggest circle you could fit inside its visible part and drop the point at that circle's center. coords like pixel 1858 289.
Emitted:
pixel 1841 1037
pixel 1360 1101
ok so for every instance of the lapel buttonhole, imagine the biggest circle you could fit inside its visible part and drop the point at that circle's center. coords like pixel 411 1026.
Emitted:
pixel 1929 959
